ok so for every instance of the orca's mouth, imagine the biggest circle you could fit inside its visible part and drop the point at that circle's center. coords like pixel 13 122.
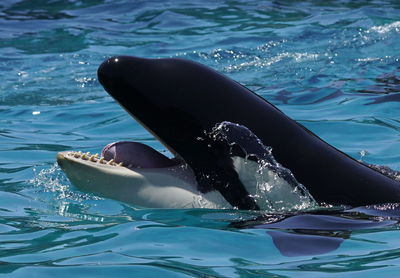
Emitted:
pixel 137 174
pixel 135 155
pixel 126 154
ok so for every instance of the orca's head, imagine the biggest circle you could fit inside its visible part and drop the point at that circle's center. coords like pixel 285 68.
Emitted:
pixel 179 101
pixel 169 97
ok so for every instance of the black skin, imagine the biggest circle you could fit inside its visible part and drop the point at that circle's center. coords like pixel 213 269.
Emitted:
pixel 179 100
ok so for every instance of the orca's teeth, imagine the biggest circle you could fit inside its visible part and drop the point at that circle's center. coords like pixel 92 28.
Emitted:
pixel 93 158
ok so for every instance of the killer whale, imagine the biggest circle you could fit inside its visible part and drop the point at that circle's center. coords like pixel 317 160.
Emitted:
pixel 179 101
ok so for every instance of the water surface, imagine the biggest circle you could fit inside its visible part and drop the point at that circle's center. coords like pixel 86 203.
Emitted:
pixel 332 65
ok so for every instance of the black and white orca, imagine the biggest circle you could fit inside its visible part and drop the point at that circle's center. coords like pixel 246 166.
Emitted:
pixel 217 130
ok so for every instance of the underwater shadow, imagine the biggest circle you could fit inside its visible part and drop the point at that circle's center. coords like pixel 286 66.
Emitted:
pixel 317 233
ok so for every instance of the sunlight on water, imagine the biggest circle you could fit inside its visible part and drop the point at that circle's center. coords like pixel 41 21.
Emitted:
pixel 395 26
pixel 331 65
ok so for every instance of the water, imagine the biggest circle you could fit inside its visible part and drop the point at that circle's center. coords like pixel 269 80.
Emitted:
pixel 332 65
pixel 271 185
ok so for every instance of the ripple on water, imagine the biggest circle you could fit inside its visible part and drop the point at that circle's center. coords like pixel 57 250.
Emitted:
pixel 334 66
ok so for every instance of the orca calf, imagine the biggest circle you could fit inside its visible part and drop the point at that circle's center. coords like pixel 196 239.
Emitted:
pixel 182 103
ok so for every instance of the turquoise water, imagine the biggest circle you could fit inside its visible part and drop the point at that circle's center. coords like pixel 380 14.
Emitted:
pixel 334 66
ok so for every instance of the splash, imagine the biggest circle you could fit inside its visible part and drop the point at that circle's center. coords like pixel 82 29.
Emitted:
pixel 54 181
pixel 273 186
